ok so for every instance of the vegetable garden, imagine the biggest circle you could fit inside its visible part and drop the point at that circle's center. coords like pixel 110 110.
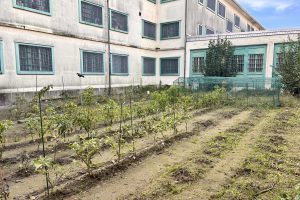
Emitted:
pixel 158 144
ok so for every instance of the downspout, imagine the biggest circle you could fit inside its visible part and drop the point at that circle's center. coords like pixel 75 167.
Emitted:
pixel 185 41
pixel 108 47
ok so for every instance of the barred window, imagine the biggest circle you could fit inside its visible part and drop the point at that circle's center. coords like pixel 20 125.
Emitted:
pixel 119 64
pixel 229 26
pixel 221 10
pixel 119 21
pixel 238 61
pixel 169 66
pixel 256 62
pixel 41 5
pixel 92 62
pixel 209 31
pixel 211 4
pixel 149 30
pixel 148 66
pixel 91 13
pixel 279 60
pixel 35 58
pixel 237 21
pixel 198 65
pixel 170 30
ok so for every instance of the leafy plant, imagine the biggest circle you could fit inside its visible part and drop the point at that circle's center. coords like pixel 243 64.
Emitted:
pixel 4 126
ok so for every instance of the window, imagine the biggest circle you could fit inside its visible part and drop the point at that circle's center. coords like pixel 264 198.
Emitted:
pixel 252 29
pixel 92 62
pixel 119 64
pixel 119 21
pixel 34 59
pixel 229 26
pixel 149 30
pixel 221 10
pixel 279 59
pixel 91 13
pixel 1 59
pixel 200 30
pixel 165 1
pixel 153 1
pixel 170 30
pixel 200 2
pixel 238 60
pixel 209 31
pixel 256 62
pixel 169 66
pixel 39 6
pixel 198 65
pixel 211 4
pixel 148 66
pixel 237 21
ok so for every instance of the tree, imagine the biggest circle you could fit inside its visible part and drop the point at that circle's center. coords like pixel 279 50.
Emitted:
pixel 289 66
pixel 219 59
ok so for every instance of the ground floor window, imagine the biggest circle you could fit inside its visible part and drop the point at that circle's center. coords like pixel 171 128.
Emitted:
pixel 169 66
pixel 256 62
pixel 34 59
pixel 149 66
pixel 119 64
pixel 198 65
pixel 92 62
pixel 239 61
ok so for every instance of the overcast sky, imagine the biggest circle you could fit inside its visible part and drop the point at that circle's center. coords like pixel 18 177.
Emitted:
pixel 274 14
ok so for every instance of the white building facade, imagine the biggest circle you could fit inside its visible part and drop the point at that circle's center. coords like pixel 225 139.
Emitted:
pixel 115 43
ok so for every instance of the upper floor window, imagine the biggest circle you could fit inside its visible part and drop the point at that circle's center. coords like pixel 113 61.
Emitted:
pixel 153 1
pixel 40 6
pixel 92 62
pixel 165 1
pixel 256 62
pixel 229 26
pixel 237 21
pixel 169 66
pixel 149 30
pixel 119 21
pixel 34 59
pixel 209 31
pixel 200 2
pixel 200 30
pixel 91 13
pixel 198 65
pixel 221 10
pixel 211 4
pixel 119 64
pixel 149 66
pixel 170 30
pixel 1 59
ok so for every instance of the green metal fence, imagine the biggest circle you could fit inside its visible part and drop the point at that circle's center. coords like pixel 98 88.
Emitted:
pixel 243 91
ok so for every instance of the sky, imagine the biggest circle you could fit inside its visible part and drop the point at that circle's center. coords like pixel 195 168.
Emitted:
pixel 274 14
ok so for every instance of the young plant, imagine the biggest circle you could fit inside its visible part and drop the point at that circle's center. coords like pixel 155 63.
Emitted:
pixel 86 119
pixel 4 126
pixel 85 149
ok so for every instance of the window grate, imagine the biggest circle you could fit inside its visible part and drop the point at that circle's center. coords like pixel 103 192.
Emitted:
pixel 239 61
pixel 92 62
pixel 169 66
pixel 170 30
pixel 256 62
pixel 119 64
pixel 149 66
pixel 198 65
pixel 119 21
pixel 33 58
pixel 91 13
pixel 279 60
pixel 42 5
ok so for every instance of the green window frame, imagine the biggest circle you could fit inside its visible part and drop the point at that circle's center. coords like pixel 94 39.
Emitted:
pixel 145 32
pixel 113 22
pixel 152 1
pixel 87 58
pixel 169 66
pixel 147 72
pixel 85 21
pixel 239 61
pixel 25 5
pixel 1 58
pixel 197 62
pixel 221 10
pixel 126 63
pixel 211 5
pixel 34 53
pixel 163 30
pixel 277 56
pixel 166 1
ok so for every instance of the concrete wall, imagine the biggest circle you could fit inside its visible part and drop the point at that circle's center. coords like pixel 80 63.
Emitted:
pixel 268 38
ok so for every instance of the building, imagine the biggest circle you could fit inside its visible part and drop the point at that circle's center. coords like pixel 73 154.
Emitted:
pixel 114 42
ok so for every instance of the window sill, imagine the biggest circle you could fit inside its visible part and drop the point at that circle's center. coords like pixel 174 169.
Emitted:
pixel 34 73
pixel 170 38
pixel 91 24
pixel 33 10
pixel 120 31
pixel 149 38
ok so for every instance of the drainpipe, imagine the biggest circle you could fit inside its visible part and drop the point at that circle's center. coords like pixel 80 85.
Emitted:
pixel 185 41
pixel 108 47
